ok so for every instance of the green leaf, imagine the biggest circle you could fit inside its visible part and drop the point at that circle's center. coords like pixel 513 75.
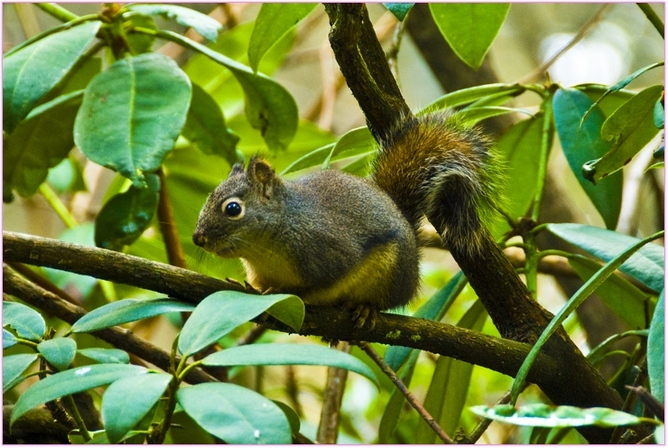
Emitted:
pixel 288 354
pixel 138 43
pixel 544 415
pixel 105 355
pixel 128 400
pixel 291 415
pixel 30 73
pixel 629 129
pixel 656 351
pixel 8 339
pixel 399 10
pixel 658 114
pixel 59 352
pixel 124 124
pixel 203 24
pixel 397 402
pixel 472 94
pixel 269 106
pixel 449 386
pixel 127 215
pixel 71 382
pixel 223 311
pixel 235 414
pixel 206 129
pixel 469 28
pixel 67 176
pixel 273 22
pixel 13 367
pixel 647 266
pixel 620 295
pixel 582 142
pixel 126 310
pixel 39 142
pixel 27 322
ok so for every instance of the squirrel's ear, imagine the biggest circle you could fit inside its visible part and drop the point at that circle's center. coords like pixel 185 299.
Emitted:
pixel 261 174
pixel 237 168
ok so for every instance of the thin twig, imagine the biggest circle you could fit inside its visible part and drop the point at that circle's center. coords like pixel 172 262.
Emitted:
pixel 328 429
pixel 404 390
pixel 586 28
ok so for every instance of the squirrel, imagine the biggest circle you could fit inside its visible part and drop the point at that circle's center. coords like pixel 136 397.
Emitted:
pixel 333 238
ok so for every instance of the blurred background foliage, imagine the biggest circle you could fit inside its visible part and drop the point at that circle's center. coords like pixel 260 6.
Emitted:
pixel 617 39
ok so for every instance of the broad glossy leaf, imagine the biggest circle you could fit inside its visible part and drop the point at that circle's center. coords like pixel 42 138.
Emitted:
pixel 656 350
pixel 288 354
pixel 27 322
pixel 629 129
pixel 647 265
pixel 105 355
pixel 39 142
pixel 8 339
pixel 622 297
pixel 582 142
pixel 472 94
pixel 13 367
pixel 449 386
pixel 399 10
pixel 557 416
pixel 235 414
pixel 126 310
pixel 28 74
pixel 206 129
pixel 70 382
pixel 128 400
pixel 272 23
pixel 469 28
pixel 59 352
pixel 223 311
pixel 269 106
pixel 132 114
pixel 203 24
pixel 127 215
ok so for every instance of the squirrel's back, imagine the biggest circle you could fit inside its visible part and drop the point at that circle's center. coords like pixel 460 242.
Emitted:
pixel 434 166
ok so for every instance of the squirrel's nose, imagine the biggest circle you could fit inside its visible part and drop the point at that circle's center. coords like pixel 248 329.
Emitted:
pixel 199 239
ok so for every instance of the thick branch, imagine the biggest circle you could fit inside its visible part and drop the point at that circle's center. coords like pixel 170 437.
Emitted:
pixel 332 323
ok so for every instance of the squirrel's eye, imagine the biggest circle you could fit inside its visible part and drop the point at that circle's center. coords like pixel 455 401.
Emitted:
pixel 233 208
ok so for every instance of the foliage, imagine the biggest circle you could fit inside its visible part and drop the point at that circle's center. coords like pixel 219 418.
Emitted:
pixel 96 82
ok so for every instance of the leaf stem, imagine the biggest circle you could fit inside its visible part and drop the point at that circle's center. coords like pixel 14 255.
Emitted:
pixel 57 11
pixel 652 17
pixel 57 205
pixel 387 370
pixel 76 416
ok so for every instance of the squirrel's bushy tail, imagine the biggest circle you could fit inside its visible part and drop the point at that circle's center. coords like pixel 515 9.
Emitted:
pixel 434 166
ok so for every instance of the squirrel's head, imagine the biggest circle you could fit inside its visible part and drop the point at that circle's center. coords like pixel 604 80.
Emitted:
pixel 240 212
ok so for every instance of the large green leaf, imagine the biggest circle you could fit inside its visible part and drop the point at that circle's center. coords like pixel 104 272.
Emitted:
pixel 13 367
pixel 235 414
pixel 273 22
pixel 127 215
pixel 469 28
pixel 59 352
pixel 206 129
pixel 28 74
pixel 656 350
pixel 647 266
pixel 132 114
pixel 582 142
pixel 620 295
pixel 8 339
pixel 127 310
pixel 288 354
pixel 269 106
pixel 544 415
pixel 223 311
pixel 203 24
pixel 105 355
pixel 70 382
pixel 39 142
pixel 128 400
pixel 27 323
pixel 629 129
